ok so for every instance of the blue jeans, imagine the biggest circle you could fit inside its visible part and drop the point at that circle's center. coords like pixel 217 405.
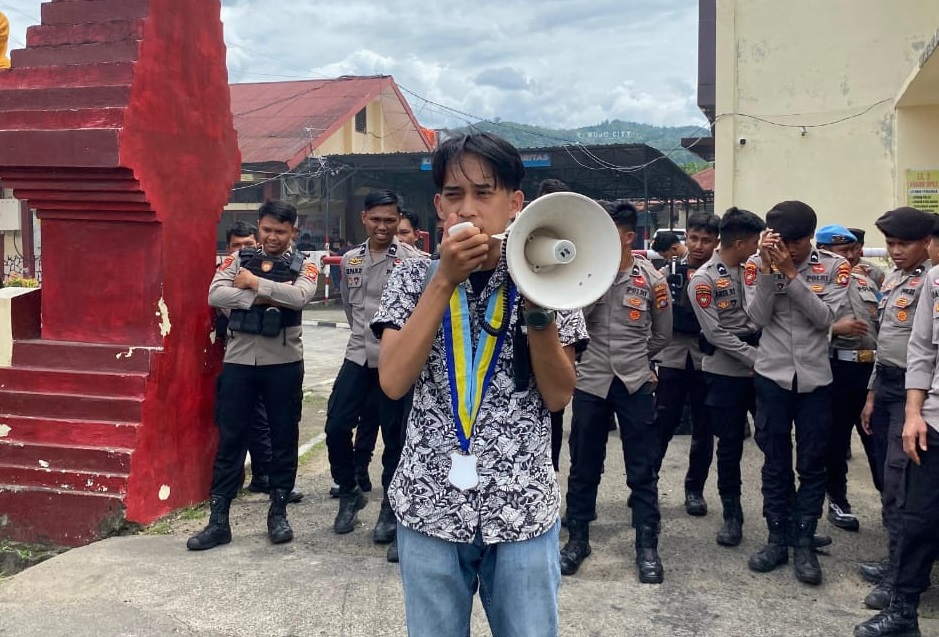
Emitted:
pixel 518 585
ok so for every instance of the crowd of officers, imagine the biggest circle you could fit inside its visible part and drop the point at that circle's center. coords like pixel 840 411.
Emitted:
pixel 771 317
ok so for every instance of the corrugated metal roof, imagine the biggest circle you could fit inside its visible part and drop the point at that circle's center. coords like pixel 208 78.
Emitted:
pixel 285 121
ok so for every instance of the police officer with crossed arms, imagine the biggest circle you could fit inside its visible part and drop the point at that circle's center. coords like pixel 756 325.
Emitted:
pixel 265 289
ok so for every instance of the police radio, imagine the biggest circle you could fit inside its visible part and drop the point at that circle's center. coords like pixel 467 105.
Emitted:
pixel 684 320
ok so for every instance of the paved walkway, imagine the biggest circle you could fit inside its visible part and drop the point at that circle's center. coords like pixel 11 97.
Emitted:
pixel 341 586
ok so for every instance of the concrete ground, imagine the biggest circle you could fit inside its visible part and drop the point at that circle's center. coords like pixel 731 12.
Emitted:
pixel 327 585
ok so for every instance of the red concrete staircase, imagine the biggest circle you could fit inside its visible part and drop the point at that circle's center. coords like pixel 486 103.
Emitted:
pixel 69 419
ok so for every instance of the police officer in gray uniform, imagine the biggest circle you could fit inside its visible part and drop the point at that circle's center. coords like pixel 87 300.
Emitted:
pixel 729 340
pixel 906 231
pixel 863 266
pixel 679 368
pixel 627 326
pixel 853 345
pixel 356 398
pixel 265 290
pixel 918 541
pixel 794 292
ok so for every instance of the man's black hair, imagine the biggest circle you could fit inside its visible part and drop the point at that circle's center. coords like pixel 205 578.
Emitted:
pixel 664 241
pixel 548 186
pixel 501 157
pixel 382 198
pixel 280 210
pixel 623 213
pixel 241 229
pixel 412 219
pixel 704 222
pixel 739 224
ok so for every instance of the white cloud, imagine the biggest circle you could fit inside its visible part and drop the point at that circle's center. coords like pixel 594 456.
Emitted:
pixel 554 62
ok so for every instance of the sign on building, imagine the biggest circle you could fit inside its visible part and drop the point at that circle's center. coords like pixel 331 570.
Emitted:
pixel 922 190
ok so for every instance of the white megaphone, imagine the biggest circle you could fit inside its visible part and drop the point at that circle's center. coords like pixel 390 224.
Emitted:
pixel 563 251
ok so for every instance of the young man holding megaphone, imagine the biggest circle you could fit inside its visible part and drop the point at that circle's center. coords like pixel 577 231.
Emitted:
pixel 475 495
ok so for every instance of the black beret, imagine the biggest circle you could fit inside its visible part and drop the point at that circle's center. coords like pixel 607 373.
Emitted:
pixel 859 233
pixel 792 220
pixel 906 224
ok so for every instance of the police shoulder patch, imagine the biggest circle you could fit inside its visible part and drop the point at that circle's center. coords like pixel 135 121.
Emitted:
pixel 749 273
pixel 703 295
pixel 311 272
pixel 844 274
pixel 226 263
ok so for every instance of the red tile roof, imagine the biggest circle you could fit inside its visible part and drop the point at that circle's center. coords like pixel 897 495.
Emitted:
pixel 705 179
pixel 285 121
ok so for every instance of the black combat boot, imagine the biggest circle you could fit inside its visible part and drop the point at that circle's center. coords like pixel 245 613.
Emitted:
pixel 577 548
pixel 218 531
pixel 259 484
pixel 731 532
pixel 387 525
pixel 350 501
pixel 873 572
pixel 899 619
pixel 362 478
pixel 647 554
pixel 880 596
pixel 278 528
pixel 776 551
pixel 695 504
pixel 804 559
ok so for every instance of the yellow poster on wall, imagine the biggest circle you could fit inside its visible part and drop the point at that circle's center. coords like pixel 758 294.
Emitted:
pixel 922 190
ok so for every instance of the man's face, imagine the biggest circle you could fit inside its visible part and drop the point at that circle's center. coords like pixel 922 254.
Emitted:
pixel 799 249
pixel 381 224
pixel 673 252
pixel 747 247
pixel 275 235
pixel 907 254
pixel 847 250
pixel 700 246
pixel 934 249
pixel 406 232
pixel 237 243
pixel 470 192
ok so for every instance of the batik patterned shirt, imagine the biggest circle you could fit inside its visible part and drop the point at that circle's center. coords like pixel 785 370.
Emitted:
pixel 517 497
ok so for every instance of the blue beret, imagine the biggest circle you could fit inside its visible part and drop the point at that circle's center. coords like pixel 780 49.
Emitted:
pixel 834 235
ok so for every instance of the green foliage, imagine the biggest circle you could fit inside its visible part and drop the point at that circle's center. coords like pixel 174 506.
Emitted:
pixel 693 167
pixel 667 139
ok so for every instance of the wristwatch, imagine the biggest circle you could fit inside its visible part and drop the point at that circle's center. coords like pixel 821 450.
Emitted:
pixel 538 318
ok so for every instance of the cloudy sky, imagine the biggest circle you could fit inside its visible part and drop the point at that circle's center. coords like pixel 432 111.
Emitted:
pixel 556 63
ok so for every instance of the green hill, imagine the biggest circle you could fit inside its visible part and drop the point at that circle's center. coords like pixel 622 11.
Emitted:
pixel 667 139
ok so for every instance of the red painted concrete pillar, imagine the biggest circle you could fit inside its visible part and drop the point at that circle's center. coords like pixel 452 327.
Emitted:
pixel 115 124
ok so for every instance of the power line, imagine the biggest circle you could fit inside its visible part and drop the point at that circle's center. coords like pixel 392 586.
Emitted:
pixel 786 125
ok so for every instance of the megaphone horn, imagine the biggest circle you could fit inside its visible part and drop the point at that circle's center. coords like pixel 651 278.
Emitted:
pixel 563 251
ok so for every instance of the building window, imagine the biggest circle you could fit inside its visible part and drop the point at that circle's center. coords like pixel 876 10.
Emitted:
pixel 360 121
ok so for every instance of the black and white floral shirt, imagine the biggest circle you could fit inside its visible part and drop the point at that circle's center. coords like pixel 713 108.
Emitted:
pixel 517 497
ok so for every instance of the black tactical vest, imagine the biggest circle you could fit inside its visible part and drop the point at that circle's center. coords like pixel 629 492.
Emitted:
pixel 267 320
pixel 683 319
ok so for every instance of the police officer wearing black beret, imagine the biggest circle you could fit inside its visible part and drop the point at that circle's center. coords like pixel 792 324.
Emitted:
pixel 794 292
pixel 906 233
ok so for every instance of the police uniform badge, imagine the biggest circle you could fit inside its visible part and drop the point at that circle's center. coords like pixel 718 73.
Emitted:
pixel 722 283
pixel 226 263
pixel 311 272
pixel 661 296
pixel 818 268
pixel 634 315
pixel 902 316
pixel 355 261
pixel 817 288
pixel 844 274
pixel 703 295
pixel 267 266
pixel 639 281
pixel 749 273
